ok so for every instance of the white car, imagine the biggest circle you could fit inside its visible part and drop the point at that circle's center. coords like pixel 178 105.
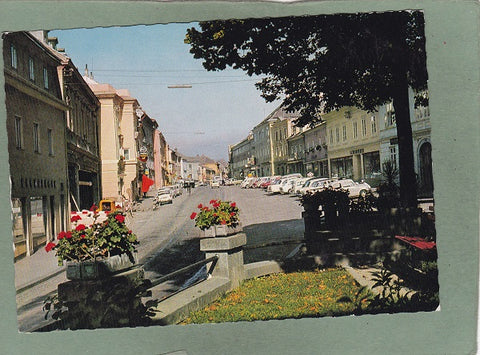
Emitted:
pixel 298 185
pixel 355 189
pixel 288 186
pixel 309 184
pixel 275 188
pixel 164 196
pixel 246 182
pixel 214 183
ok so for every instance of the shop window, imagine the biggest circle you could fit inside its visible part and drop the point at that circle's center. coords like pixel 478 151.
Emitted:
pixel 17 226
pixel 38 215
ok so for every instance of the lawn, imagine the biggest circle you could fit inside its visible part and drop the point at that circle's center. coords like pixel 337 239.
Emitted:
pixel 294 295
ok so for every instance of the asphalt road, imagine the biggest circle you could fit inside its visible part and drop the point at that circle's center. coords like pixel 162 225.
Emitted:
pixel 169 240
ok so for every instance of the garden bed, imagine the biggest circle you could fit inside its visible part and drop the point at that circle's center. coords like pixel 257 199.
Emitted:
pixel 282 296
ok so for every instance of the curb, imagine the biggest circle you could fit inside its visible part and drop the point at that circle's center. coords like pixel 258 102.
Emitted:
pixel 37 282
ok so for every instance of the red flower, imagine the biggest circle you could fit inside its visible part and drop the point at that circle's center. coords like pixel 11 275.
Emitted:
pixel 50 246
pixel 214 215
pixel 232 214
pixel 93 208
pixel 205 208
pixel 84 212
pixel 216 204
pixel 68 235
pixel 75 218
pixel 82 236
pixel 80 227
pixel 61 235
pixel 120 218
pixel 212 201
pixel 200 206
pixel 233 204
pixel 130 232
pixel 223 222
pixel 118 206
pixel 193 215
pixel 107 212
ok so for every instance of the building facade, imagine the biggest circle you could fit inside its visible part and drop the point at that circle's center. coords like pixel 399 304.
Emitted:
pixel 37 147
pixel 353 143
pixel 146 128
pixel 315 153
pixel 160 159
pixel 422 147
pixel 296 152
pixel 83 151
pixel 240 158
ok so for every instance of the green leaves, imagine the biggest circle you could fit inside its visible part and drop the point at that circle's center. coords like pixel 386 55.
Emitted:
pixel 110 237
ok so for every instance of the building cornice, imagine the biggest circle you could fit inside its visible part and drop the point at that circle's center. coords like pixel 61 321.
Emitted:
pixel 30 89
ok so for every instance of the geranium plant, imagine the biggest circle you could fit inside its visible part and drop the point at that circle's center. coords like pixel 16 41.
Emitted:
pixel 100 239
pixel 218 212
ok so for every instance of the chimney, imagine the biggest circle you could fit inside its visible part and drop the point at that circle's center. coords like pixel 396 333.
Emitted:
pixel 86 71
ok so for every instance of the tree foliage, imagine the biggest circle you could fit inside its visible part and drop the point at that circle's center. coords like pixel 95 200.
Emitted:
pixel 317 64
pixel 320 63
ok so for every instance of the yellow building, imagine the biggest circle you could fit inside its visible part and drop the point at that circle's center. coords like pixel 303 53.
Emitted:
pixel 353 142
pixel 118 141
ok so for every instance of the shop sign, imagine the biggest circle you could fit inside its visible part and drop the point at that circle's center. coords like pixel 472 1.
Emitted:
pixel 357 151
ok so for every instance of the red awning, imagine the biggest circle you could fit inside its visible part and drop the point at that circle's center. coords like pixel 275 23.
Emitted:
pixel 420 243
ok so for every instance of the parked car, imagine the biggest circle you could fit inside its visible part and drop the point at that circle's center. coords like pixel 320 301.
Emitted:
pixel 320 184
pixel 246 181
pixel 355 189
pixel 274 188
pixel 309 184
pixel 298 185
pixel 288 185
pixel 164 196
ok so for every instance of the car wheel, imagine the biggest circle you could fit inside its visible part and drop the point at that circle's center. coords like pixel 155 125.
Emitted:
pixel 363 193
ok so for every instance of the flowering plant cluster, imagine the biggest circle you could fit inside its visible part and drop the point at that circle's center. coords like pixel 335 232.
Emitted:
pixel 100 239
pixel 218 213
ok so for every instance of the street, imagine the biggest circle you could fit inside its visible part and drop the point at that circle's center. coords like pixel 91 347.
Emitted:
pixel 169 239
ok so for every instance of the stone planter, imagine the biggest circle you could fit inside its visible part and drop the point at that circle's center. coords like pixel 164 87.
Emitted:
pixel 97 269
pixel 221 231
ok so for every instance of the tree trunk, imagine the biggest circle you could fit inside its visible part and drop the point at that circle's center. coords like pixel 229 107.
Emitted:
pixel 408 188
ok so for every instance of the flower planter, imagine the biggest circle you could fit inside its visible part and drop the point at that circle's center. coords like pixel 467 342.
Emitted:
pixel 221 231
pixel 97 269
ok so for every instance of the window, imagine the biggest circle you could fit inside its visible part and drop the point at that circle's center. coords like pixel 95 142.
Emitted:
pixel 344 133
pixel 50 141
pixel 13 57
pixel 45 78
pixel 331 136
pixel 393 155
pixel 36 138
pixel 31 69
pixel 364 126
pixel 374 124
pixel 18 133
pixel 355 129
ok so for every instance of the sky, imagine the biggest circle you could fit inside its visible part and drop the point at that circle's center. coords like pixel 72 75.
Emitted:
pixel 218 110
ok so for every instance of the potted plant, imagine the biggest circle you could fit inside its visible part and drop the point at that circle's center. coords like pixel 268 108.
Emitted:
pixel 219 218
pixel 98 249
